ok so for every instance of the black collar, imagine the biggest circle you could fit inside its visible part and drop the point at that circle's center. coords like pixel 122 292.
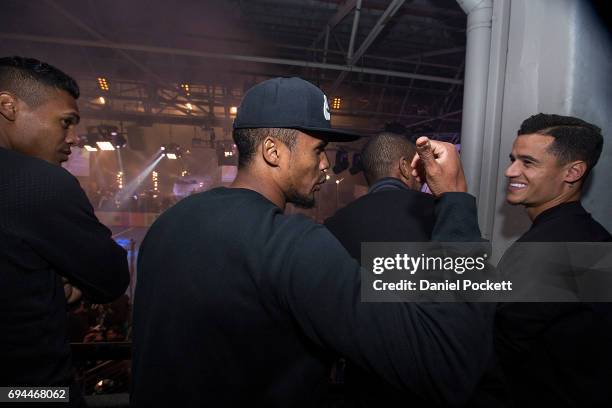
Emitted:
pixel 561 210
pixel 387 183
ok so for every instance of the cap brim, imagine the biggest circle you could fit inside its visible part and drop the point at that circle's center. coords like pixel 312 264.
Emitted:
pixel 331 135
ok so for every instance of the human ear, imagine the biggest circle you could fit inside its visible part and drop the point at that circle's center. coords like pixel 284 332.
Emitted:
pixel 575 171
pixel 8 106
pixel 270 151
pixel 405 167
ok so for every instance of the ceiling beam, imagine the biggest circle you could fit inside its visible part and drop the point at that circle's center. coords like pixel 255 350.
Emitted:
pixel 378 27
pixel 229 57
pixel 342 12
pixel 75 20
pixel 453 50
pixel 349 54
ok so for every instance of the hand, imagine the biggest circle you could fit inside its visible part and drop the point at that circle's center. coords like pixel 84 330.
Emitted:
pixel 438 164
pixel 71 292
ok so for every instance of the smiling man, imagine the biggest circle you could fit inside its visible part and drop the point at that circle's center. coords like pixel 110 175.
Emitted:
pixel 551 158
pixel 238 304
pixel 49 234
pixel 555 354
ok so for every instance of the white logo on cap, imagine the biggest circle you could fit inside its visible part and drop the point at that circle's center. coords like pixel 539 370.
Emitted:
pixel 326 108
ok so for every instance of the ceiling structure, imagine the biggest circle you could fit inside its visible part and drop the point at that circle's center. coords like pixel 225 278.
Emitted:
pixel 189 62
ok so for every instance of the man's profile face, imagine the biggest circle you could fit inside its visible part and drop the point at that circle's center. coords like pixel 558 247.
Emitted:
pixel 47 131
pixel 306 170
pixel 535 176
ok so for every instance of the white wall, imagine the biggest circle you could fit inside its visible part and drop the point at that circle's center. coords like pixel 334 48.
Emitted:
pixel 558 61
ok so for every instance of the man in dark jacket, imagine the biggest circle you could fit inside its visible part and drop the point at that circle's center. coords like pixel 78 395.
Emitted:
pixel 554 354
pixel 393 210
pixel 52 247
pixel 239 304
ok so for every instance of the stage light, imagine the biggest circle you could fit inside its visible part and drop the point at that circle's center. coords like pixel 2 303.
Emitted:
pixel 154 179
pixel 128 191
pixel 106 131
pixel 104 145
pixel 88 141
pixel 103 84
pixel 101 100
pixel 336 103
pixel 186 88
pixel 327 177
pixel 119 141
pixel 119 179
pixel 171 151
pixel 233 110
pixel 226 154
pixel 189 106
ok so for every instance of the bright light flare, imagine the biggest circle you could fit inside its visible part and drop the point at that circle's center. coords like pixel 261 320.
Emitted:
pixel 105 145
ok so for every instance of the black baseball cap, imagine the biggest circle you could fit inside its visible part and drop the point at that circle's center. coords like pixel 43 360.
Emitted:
pixel 290 103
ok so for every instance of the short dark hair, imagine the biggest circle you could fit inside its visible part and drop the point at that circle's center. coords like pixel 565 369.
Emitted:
pixel 382 152
pixel 575 139
pixel 30 79
pixel 247 140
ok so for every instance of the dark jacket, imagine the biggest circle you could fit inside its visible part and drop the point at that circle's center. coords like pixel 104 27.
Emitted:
pixel 238 304
pixel 47 231
pixel 390 212
pixel 557 354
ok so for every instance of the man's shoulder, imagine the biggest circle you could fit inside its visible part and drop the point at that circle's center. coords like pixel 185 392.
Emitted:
pixel 388 200
pixel 236 209
pixel 17 168
pixel 574 227
pixel 227 200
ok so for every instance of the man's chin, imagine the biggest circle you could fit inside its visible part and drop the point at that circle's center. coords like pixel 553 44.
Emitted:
pixel 512 200
pixel 302 201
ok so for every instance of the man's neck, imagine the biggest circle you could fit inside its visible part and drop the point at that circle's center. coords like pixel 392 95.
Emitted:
pixel 4 139
pixel 573 195
pixel 250 180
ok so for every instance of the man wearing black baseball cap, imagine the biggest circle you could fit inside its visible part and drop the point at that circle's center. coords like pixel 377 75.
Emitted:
pixel 277 118
pixel 238 304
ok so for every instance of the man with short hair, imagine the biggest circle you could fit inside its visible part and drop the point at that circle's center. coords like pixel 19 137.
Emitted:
pixel 239 304
pixel 49 234
pixel 393 210
pixel 555 354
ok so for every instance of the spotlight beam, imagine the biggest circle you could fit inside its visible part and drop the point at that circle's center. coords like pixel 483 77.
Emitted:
pixel 131 187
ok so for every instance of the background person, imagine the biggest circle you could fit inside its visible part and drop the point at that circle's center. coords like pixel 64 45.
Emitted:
pixel 52 247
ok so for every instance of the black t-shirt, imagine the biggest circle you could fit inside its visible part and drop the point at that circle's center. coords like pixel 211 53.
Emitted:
pixel 557 354
pixel 237 303
pixel 47 231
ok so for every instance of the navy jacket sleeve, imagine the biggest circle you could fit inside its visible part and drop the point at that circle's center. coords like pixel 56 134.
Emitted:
pixel 57 221
pixel 456 219
pixel 438 351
